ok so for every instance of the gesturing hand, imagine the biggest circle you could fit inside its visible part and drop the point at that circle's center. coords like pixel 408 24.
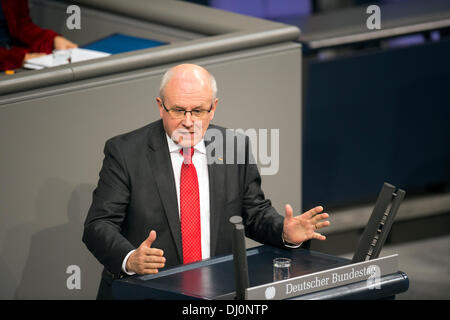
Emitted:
pixel 303 227
pixel 146 260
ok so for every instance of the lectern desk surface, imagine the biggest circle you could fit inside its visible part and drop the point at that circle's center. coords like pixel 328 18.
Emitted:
pixel 214 278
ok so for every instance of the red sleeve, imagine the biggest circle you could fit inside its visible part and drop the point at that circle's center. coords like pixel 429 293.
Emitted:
pixel 11 59
pixel 23 29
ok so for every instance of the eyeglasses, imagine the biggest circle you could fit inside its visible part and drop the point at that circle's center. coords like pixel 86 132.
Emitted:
pixel 180 113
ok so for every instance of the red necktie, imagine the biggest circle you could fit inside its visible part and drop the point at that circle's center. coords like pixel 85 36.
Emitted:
pixel 190 209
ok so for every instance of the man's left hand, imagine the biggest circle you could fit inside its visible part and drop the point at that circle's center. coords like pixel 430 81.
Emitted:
pixel 304 227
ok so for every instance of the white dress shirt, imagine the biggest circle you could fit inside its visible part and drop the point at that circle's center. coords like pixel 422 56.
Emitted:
pixel 201 166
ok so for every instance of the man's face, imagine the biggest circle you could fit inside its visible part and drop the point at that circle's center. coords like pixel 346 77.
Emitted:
pixel 186 93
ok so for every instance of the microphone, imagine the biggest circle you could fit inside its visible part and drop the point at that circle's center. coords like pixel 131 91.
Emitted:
pixel 240 258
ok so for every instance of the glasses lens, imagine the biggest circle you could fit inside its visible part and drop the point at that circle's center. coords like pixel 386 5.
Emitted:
pixel 198 114
pixel 178 114
pixel 195 114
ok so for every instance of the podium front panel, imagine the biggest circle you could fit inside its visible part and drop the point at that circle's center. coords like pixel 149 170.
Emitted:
pixel 214 278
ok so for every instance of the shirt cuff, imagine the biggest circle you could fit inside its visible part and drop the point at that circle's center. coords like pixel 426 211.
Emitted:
pixel 124 264
pixel 290 245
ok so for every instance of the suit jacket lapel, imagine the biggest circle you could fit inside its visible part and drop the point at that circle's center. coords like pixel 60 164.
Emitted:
pixel 161 165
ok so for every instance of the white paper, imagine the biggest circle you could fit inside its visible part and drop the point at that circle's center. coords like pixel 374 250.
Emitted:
pixel 76 54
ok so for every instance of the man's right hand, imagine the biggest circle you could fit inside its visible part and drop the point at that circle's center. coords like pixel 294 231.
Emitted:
pixel 146 260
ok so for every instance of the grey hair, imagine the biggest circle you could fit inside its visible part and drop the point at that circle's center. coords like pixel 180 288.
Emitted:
pixel 168 75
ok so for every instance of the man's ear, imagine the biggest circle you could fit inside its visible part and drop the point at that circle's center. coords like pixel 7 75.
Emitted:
pixel 160 107
pixel 213 109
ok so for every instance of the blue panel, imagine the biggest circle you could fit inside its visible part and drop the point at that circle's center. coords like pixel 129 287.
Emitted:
pixel 373 118
pixel 267 9
pixel 120 43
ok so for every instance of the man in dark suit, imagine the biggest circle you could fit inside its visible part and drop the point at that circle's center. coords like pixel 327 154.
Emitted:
pixel 167 190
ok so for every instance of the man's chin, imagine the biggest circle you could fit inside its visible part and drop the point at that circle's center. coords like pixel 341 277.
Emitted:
pixel 187 140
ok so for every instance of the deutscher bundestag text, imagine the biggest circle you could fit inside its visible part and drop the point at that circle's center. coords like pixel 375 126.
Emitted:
pixel 335 277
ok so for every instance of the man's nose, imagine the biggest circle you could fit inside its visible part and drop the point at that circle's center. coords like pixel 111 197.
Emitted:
pixel 187 121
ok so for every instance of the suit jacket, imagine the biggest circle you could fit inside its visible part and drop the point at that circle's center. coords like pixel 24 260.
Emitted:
pixel 136 193
pixel 26 36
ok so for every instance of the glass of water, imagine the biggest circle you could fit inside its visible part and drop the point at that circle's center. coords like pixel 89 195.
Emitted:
pixel 281 268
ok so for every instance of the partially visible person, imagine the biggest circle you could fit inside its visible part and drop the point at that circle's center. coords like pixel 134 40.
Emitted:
pixel 21 39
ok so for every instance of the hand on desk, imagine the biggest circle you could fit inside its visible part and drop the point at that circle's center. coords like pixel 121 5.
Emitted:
pixel 303 227
pixel 32 55
pixel 61 43
pixel 146 260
